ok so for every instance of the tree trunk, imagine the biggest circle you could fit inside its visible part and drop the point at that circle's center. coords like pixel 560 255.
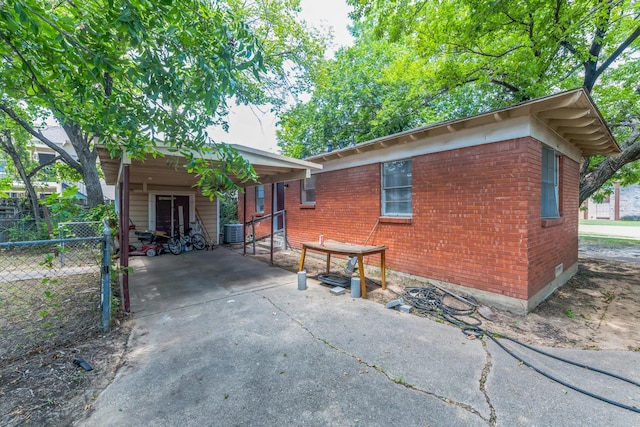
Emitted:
pixel 87 156
pixel 591 181
pixel 6 142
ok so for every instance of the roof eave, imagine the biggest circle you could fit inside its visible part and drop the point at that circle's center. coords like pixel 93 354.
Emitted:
pixel 572 115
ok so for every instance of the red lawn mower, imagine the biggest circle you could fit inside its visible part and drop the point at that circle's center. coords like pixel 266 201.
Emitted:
pixel 152 244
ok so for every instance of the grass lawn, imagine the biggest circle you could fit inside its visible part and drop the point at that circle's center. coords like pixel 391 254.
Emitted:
pixel 608 242
pixel 609 222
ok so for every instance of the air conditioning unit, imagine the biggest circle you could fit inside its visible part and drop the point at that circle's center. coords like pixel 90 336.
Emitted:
pixel 233 233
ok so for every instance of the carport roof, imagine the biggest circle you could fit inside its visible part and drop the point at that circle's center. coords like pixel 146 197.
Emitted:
pixel 167 168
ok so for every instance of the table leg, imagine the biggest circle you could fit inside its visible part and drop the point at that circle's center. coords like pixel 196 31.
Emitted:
pixel 382 268
pixel 304 252
pixel 328 263
pixel 363 284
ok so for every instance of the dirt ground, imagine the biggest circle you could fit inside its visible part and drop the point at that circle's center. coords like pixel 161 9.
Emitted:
pixel 44 387
pixel 598 309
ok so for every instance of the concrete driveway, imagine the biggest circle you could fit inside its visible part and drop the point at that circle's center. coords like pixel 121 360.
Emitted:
pixel 224 340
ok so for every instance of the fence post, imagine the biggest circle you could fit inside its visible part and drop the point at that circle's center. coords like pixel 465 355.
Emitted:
pixel 105 297
pixel 60 236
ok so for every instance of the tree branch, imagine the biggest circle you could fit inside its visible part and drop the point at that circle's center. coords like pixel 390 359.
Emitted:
pixel 65 156
pixel 509 86
pixel 490 55
pixel 43 165
pixel 625 44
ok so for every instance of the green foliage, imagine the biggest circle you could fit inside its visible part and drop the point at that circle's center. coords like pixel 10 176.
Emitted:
pixel 66 173
pixel 355 99
pixel 64 207
pixel 228 210
pixel 5 185
pixel 414 63
pixel 132 74
pixel 105 212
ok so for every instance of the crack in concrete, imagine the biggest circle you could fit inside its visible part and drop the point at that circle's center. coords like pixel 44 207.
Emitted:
pixel 486 370
pixel 395 380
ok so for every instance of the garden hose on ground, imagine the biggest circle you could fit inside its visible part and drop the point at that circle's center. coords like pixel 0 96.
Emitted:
pixel 430 301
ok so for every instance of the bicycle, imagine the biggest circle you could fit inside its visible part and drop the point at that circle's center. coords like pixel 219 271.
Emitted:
pixel 175 244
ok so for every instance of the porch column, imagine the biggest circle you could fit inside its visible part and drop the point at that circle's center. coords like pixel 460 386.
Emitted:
pixel 124 247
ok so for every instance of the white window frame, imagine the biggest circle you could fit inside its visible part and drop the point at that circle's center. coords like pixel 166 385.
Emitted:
pixel 383 192
pixel 550 184
pixel 305 187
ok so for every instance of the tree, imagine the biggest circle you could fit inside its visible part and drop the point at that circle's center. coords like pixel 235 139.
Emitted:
pixel 462 57
pixel 354 100
pixel 12 143
pixel 130 74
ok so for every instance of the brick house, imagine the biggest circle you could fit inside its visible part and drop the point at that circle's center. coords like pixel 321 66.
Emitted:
pixel 622 204
pixel 485 205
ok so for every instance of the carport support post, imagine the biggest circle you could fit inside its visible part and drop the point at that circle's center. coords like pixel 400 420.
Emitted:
pixel 273 202
pixel 124 245
pixel 105 295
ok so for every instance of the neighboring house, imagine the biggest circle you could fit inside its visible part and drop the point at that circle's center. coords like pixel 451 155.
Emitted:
pixel 42 153
pixel 485 205
pixel 623 203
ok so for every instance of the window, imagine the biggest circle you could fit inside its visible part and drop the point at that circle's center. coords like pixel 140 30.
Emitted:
pixel 308 191
pixel 396 188
pixel 550 203
pixel 260 198
pixel 49 171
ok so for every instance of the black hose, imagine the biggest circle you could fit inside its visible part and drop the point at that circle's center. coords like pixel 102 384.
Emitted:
pixel 566 384
pixel 429 300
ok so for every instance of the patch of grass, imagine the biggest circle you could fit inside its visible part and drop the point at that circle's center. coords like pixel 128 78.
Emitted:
pixel 399 380
pixel 608 242
pixel 570 314
pixel 609 222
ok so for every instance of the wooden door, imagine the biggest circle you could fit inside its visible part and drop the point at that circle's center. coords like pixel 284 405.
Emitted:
pixel 171 212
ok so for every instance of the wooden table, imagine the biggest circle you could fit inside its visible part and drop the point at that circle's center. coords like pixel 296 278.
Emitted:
pixel 332 247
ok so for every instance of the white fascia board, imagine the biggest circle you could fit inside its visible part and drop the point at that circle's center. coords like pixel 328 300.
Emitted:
pixel 284 177
pixel 494 132
pixel 262 156
pixel 254 156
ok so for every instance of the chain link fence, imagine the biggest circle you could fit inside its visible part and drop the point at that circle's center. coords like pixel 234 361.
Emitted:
pixel 52 292
pixel 17 229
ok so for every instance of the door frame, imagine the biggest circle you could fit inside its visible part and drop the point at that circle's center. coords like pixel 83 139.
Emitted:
pixel 152 205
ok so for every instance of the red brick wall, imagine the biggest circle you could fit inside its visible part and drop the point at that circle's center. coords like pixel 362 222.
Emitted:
pixel 476 217
pixel 262 228
pixel 552 242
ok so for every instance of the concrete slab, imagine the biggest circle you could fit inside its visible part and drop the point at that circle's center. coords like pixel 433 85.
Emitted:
pixel 170 281
pixel 232 341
